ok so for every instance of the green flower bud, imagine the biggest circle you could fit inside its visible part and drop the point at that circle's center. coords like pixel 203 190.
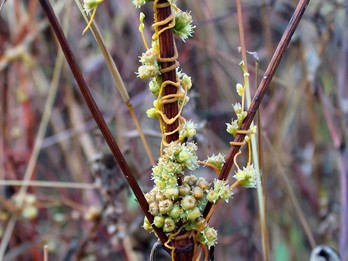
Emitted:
pixel 155 86
pixel 237 108
pixel 209 236
pixel 186 81
pixel 152 113
pixel 194 213
pixel 240 89
pixel 225 193
pixel 158 221
pixel 217 160
pixel 148 71
pixel 232 128
pixel 212 196
pixel 169 225
pixel 188 202
pixel 241 116
pixel 161 184
pixel 176 211
pixel 183 25
pixel 165 206
pixel 149 57
pixel 247 177
pixel 89 5
pixel 183 156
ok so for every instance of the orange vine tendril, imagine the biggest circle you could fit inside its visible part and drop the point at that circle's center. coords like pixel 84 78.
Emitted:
pixel 165 99
pixel 216 169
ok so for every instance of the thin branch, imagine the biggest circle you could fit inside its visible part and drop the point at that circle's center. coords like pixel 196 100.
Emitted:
pixel 260 92
pixel 46 6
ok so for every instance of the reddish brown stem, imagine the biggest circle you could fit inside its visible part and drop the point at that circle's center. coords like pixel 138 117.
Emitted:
pixel 184 246
pixel 47 8
pixel 260 92
pixel 167 50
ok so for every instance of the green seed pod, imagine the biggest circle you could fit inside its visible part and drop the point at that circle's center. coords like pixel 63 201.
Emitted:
pixel 194 213
pixel 153 208
pixel 172 193
pixel 190 180
pixel 169 225
pixel 176 211
pixel 197 192
pixel 165 206
pixel 184 190
pixel 188 202
pixel 158 221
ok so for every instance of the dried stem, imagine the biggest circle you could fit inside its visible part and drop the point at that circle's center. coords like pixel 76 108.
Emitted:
pixel 255 148
pixel 97 115
pixel 266 79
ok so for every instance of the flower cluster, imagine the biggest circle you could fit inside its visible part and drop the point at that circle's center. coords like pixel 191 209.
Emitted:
pixel 26 203
pixel 171 203
pixel 183 25
pixel 150 67
pixel 221 190
pixel 89 5
pixel 216 160
pixel 247 177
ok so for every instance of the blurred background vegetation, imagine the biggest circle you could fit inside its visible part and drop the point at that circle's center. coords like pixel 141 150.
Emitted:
pixel 90 214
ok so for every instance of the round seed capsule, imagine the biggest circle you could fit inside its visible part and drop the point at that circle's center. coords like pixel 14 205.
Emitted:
pixel 194 213
pixel 197 192
pixel 172 193
pixel 203 184
pixel 169 225
pixel 165 206
pixel 160 196
pixel 188 202
pixel 191 180
pixel 176 211
pixel 147 226
pixel 158 221
pixel 184 190
pixel 153 208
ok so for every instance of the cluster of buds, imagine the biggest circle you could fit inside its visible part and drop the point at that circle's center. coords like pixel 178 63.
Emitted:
pixel 248 176
pixel 172 204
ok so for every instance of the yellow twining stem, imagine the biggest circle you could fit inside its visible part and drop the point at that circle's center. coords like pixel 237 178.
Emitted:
pixel 216 169
pixel 91 20
pixel 167 24
pixel 141 29
pixel 235 159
